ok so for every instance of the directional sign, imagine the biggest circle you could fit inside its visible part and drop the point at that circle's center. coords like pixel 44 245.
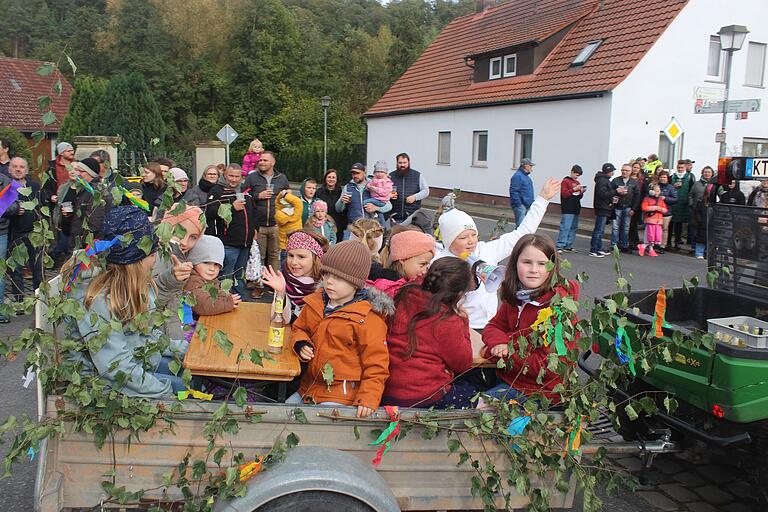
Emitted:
pixel 673 131
pixel 708 93
pixel 716 107
pixel 227 134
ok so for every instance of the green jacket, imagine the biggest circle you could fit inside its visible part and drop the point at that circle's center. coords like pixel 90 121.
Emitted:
pixel 681 211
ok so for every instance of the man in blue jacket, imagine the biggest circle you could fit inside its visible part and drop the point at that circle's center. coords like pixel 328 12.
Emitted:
pixel 521 190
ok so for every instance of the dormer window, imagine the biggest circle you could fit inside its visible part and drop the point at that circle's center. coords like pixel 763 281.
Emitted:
pixel 590 48
pixel 502 67
pixel 494 71
pixel 510 65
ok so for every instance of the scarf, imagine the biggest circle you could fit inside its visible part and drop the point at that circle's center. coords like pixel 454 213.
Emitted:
pixel 317 223
pixel 297 288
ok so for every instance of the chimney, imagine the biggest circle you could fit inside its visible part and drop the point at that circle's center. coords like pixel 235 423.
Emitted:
pixel 482 5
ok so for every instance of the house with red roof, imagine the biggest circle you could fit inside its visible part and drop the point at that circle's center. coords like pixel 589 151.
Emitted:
pixel 20 89
pixel 566 82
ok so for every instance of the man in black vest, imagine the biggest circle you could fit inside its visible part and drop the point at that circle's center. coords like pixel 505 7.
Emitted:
pixel 410 189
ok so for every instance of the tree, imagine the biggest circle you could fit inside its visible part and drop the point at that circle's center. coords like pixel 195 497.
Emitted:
pixel 19 144
pixel 86 99
pixel 129 110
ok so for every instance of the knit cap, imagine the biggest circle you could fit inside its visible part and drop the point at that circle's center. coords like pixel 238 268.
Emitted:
pixel 178 174
pixel 208 249
pixel 318 206
pixel 349 260
pixel 452 223
pixel 128 219
pixel 408 244
pixel 192 214
pixel 380 165
pixel 62 147
pixel 89 165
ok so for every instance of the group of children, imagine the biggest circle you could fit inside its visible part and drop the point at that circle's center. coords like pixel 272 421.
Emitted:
pixel 393 322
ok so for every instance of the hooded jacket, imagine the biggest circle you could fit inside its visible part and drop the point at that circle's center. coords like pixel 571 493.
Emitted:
pixel 604 192
pixel 515 320
pixel 444 351
pixel 288 221
pixel 569 202
pixel 240 230
pixel 352 340
pixel 305 213
pixel 205 304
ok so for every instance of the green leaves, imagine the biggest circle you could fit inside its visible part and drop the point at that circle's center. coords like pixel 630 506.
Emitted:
pixel 225 212
pixel 299 416
pixel 630 411
pixel 46 69
pixel 221 339
pixel 327 374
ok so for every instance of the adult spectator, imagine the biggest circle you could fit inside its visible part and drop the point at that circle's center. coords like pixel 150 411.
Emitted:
pixel 701 196
pixel 571 192
pixel 652 164
pixel 238 234
pixel 759 195
pixel 4 225
pixel 604 200
pixel 88 212
pixel 164 163
pixel 105 162
pixel 683 181
pixel 199 194
pixel 411 189
pixel 5 156
pixel 521 194
pixel 58 173
pixel 307 193
pixel 263 186
pixel 353 195
pixel 636 220
pixel 20 227
pixel 733 194
pixel 330 192
pixel 669 193
pixel 627 206
pixel 182 180
pixel 153 185
pixel 62 215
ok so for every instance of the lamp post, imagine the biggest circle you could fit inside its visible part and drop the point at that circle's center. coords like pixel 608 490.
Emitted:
pixel 731 39
pixel 325 102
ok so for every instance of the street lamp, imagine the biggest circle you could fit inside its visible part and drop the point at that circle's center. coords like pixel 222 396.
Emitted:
pixel 325 102
pixel 731 39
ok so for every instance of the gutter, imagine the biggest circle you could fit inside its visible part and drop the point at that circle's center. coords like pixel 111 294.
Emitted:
pixel 595 94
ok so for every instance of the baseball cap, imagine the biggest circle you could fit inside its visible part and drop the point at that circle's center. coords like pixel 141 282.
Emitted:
pixel 608 167
pixel 526 161
pixel 689 161
pixel 358 167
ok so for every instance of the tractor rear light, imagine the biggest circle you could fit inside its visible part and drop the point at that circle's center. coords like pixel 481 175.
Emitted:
pixel 717 411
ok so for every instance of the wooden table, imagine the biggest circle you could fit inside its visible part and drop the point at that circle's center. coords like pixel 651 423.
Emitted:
pixel 246 327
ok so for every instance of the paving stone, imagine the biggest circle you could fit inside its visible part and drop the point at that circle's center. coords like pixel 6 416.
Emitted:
pixel 718 474
pixel 689 479
pixel 713 494
pixel 659 501
pixel 679 492
pixel 740 488
pixel 630 463
pixel 667 465
pixel 700 506
pixel 738 507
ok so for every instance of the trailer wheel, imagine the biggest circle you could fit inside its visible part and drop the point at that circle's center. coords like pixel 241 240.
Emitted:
pixel 315 501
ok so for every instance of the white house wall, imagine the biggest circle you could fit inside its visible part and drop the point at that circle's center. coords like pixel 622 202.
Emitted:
pixel 564 133
pixel 662 85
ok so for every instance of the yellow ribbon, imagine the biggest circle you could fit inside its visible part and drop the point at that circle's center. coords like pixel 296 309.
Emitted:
pixel 183 395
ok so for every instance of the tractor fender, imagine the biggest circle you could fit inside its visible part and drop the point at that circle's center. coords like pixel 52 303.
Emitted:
pixel 314 468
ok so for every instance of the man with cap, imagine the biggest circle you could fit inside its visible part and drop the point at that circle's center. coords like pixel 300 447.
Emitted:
pixel 88 213
pixel 521 190
pixel 58 174
pixel 21 225
pixel 5 156
pixel 604 200
pixel 571 192
pixel 353 195
pixel 411 189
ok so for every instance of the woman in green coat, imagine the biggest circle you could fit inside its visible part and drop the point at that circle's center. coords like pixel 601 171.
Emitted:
pixel 683 181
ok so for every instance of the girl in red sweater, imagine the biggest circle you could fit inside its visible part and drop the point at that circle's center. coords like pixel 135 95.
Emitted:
pixel 526 291
pixel 428 340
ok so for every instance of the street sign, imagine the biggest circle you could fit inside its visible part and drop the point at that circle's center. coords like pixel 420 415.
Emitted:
pixel 756 168
pixel 708 93
pixel 716 107
pixel 741 115
pixel 227 134
pixel 720 137
pixel 673 131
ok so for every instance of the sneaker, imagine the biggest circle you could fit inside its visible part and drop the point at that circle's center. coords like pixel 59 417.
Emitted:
pixel 641 249
pixel 652 253
pixel 699 257
pixel 5 320
pixel 570 249
pixel 605 253
pixel 257 293
pixel 598 254
pixel 560 251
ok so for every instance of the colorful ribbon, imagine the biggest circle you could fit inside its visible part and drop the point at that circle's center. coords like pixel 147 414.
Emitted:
pixel 136 201
pixel 247 471
pixel 183 395
pixel 9 195
pixel 624 349
pixel 87 186
pixel 660 310
pixel 574 440
pixel 185 312
pixel 99 246
pixel 387 435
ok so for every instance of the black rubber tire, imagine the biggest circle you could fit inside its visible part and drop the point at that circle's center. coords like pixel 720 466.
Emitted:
pixel 315 501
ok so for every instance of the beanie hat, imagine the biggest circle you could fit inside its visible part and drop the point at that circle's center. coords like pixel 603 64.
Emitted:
pixel 192 214
pixel 380 165
pixel 452 223
pixel 208 249
pixel 62 147
pixel 128 219
pixel 318 206
pixel 89 165
pixel 301 240
pixel 178 174
pixel 408 244
pixel 349 260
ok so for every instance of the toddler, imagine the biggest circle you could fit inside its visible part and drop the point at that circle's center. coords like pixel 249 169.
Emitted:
pixel 320 222
pixel 654 207
pixel 410 253
pixel 379 188
pixel 207 257
pixel 251 158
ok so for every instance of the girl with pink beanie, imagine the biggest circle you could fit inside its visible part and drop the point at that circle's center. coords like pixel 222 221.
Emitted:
pixel 410 253
pixel 320 222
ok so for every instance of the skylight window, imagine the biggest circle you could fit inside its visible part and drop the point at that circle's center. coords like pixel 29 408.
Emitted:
pixel 586 52
pixel 15 85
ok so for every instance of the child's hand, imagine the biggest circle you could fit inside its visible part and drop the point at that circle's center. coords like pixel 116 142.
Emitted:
pixel 500 351
pixel 306 353
pixel 363 411
pixel 236 299
pixel 274 280
pixel 181 271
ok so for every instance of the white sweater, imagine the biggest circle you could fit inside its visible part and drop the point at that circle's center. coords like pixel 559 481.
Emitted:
pixel 481 305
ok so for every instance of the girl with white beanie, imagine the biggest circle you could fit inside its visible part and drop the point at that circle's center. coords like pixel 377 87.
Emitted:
pixel 460 239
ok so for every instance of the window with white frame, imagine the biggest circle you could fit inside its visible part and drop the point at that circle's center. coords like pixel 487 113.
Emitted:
pixel 444 148
pixel 752 146
pixel 668 153
pixel 510 65
pixel 494 70
pixel 480 148
pixel 523 146
pixel 715 60
pixel 755 64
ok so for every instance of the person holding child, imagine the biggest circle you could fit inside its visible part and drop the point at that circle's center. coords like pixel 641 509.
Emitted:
pixel 320 222
pixel 207 258
pixel 410 253
pixel 525 293
pixel 342 326
pixel 428 340
pixel 379 188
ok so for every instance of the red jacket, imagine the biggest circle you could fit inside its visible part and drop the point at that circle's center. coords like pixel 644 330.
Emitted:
pixel 443 351
pixel 510 323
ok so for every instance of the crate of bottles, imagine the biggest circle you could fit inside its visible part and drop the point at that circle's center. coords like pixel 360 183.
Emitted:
pixel 740 331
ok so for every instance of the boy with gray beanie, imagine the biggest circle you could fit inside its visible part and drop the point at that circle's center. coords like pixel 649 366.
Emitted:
pixel 207 258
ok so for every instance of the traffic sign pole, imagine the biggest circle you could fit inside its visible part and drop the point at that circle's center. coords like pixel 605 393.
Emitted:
pixel 227 134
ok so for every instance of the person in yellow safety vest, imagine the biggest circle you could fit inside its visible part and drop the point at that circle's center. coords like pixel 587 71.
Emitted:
pixel 653 163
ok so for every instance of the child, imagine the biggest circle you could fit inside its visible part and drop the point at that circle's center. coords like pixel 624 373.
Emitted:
pixel 207 256
pixel 410 253
pixel 307 193
pixel 320 222
pixel 288 210
pixel 124 291
pixel 428 340
pixel 301 271
pixel 251 158
pixel 379 188
pixel 526 290
pixel 370 233
pixel 654 207
pixel 340 327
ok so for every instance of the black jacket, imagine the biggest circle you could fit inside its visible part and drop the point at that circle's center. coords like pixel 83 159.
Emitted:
pixel 330 197
pixel 734 196
pixel 239 232
pixel 88 214
pixel 254 184
pixel 20 225
pixel 604 192
pixel 152 195
pixel 632 198
pixel 5 220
